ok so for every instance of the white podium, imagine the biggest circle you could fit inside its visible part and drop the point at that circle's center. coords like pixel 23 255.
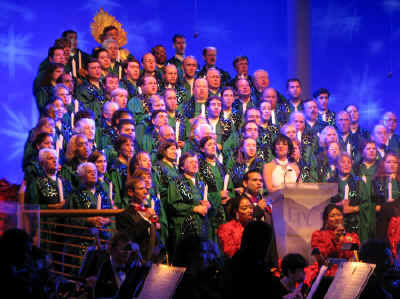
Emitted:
pixel 297 213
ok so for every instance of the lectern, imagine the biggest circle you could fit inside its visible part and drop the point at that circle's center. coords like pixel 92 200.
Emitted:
pixel 297 213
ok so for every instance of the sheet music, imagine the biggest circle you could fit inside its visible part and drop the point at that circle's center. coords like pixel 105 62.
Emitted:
pixel 161 282
pixel 350 280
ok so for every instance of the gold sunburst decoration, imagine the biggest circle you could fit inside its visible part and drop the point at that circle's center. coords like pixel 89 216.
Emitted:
pixel 101 21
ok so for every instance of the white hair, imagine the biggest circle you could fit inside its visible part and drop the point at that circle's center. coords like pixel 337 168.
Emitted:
pixel 259 71
pixel 199 129
pixel 110 103
pixel 83 166
pixel 293 114
pixel 83 121
pixel 118 91
pixel 44 152
pixel 107 42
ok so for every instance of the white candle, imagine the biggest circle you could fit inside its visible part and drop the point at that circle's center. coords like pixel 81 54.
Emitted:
pixel 348 148
pixel 346 192
pixel 72 120
pixel 98 202
pixel 299 136
pixel 73 67
pixel 205 195
pixel 60 190
pixel 221 158
pixel 273 117
pixel 203 110
pixel 119 56
pixel 178 156
pixel 119 72
pixel 80 59
pixel 76 106
pixel 177 125
pixel 324 116
pixel 390 197
pixel 226 181
pixel 59 144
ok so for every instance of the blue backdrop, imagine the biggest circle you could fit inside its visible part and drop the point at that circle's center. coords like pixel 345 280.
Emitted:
pixel 355 47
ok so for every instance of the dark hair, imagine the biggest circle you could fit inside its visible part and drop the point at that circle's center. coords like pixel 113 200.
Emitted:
pixel 110 75
pixel 66 32
pixel 238 58
pixel 153 50
pixel 245 125
pixel 235 203
pixel 83 114
pixel 185 156
pixel 284 139
pixel 124 122
pixel 320 91
pixel 163 146
pixel 53 49
pixel 247 174
pixel 347 106
pixel 130 59
pixel 156 112
pixel 62 42
pixel 227 88
pixel 327 210
pixel 95 155
pixel 132 181
pixel 135 161
pixel 204 140
pixel 291 262
pixel 90 61
pixel 41 123
pixel 292 80
pixel 107 29
pixel 40 138
pixel 96 52
pixel 176 36
pixel 213 98
pixel 46 80
pixel 49 111
pixel 117 115
pixel 247 112
pixel 240 156
pixel 122 139
pixel 380 171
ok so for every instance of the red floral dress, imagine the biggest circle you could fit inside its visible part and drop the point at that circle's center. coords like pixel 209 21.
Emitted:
pixel 393 234
pixel 230 237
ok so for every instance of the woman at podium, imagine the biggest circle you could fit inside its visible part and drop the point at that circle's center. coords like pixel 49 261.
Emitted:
pixel 281 170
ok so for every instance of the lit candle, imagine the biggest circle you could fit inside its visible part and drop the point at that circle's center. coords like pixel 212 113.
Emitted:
pixel 299 136
pixel 73 67
pixel 80 59
pixel 177 125
pixel 76 106
pixel 273 117
pixel 178 156
pixel 348 148
pixel 324 116
pixel 205 195
pixel 119 72
pixel 346 192
pixel 390 198
pixel 60 190
pixel 221 158
pixel 98 202
pixel 72 120
pixel 59 144
pixel 119 56
pixel 203 110
pixel 226 181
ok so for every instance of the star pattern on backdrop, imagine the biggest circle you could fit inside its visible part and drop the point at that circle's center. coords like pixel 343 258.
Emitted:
pixel 16 50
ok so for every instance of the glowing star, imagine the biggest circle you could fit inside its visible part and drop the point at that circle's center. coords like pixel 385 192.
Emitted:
pixel 16 126
pixel 15 50
pixel 95 5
